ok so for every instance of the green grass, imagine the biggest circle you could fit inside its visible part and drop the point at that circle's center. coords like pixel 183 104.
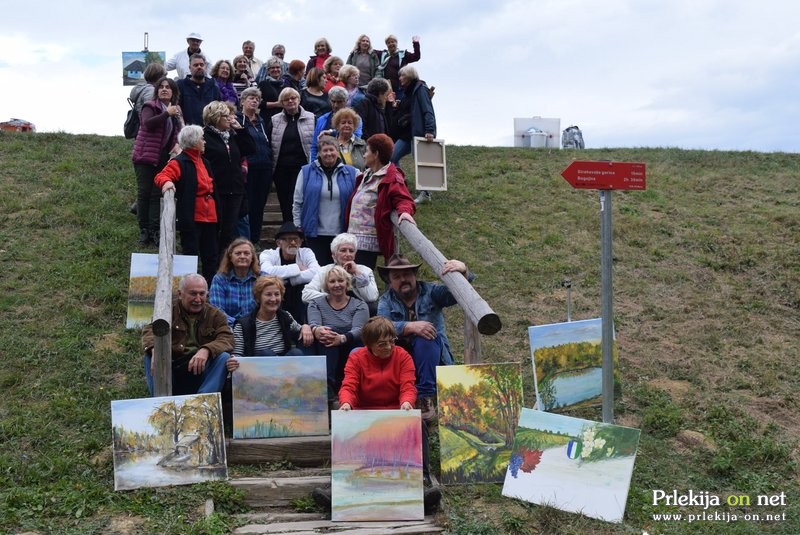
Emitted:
pixel 706 307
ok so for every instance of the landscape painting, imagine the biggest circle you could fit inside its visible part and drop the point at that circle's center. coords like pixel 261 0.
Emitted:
pixel 376 465
pixel 142 287
pixel 172 440
pixel 571 464
pixel 479 408
pixel 134 64
pixel 280 397
pixel 568 364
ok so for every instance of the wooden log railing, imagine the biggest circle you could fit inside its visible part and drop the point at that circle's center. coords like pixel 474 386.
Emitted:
pixel 162 308
pixel 479 318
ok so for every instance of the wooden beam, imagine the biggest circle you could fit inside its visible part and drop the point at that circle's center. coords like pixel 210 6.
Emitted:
pixel 475 308
pixel 162 307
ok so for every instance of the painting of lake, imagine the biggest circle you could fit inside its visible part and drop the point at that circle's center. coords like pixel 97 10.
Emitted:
pixel 376 465
pixel 173 440
pixel 142 286
pixel 478 414
pixel 280 397
pixel 572 464
pixel 568 364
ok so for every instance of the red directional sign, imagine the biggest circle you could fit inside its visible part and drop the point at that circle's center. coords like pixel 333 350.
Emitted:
pixel 605 175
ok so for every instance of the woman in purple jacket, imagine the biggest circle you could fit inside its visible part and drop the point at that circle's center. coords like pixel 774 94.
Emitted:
pixel 161 120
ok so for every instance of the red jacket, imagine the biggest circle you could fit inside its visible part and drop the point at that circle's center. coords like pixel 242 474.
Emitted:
pixel 204 206
pixel 374 383
pixel 393 194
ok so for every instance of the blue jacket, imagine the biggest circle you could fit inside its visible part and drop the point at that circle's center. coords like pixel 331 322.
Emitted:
pixel 193 98
pixel 431 299
pixel 313 185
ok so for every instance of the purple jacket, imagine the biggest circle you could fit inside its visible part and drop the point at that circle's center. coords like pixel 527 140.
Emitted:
pixel 152 140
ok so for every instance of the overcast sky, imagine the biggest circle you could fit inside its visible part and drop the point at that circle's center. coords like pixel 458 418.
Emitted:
pixel 709 74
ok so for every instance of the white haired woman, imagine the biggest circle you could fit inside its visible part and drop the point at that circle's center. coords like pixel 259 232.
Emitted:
pixel 290 138
pixel 343 251
pixel 336 320
pixel 195 205
pixel 412 116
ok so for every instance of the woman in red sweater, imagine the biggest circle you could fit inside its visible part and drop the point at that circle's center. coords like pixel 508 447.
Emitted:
pixel 381 376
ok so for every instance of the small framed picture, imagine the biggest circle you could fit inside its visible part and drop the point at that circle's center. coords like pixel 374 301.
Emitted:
pixel 431 164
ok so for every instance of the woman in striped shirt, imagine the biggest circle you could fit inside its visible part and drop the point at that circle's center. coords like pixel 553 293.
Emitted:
pixel 268 330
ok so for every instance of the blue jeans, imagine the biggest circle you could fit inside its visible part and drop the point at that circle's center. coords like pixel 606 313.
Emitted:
pixel 211 380
pixel 426 355
pixel 401 148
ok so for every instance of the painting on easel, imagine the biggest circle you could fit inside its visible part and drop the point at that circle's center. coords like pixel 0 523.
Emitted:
pixel 171 440
pixel 376 465
pixel 568 364
pixel 478 413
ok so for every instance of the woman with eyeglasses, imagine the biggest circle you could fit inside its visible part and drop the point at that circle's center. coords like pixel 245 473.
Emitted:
pixel 380 376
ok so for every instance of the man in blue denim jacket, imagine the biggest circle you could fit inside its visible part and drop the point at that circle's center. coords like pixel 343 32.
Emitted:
pixel 416 308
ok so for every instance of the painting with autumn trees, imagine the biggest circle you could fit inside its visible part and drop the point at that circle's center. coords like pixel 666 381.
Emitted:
pixel 376 465
pixel 174 440
pixel 479 408
pixel 280 397
pixel 568 364
pixel 142 285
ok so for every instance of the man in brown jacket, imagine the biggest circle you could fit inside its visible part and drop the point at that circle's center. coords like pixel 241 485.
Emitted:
pixel 201 341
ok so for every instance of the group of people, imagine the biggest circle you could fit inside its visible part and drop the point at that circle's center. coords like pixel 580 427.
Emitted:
pixel 220 143
pixel 278 113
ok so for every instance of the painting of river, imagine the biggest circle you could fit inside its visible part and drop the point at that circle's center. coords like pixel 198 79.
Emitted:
pixel 280 397
pixel 376 465
pixel 142 286
pixel 568 364
pixel 173 440
pixel 478 413
pixel 572 464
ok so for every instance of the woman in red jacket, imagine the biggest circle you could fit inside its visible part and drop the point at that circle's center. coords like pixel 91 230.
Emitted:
pixel 379 191
pixel 195 199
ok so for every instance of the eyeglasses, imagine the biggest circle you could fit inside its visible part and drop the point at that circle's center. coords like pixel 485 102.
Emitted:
pixel 386 343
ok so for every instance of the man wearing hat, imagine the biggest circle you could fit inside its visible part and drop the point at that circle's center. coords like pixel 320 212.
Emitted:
pixel 180 61
pixel 294 264
pixel 416 308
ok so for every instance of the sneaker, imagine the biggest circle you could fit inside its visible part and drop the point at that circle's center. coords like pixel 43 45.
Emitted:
pixel 424 196
pixel 428 407
pixel 322 497
pixel 144 237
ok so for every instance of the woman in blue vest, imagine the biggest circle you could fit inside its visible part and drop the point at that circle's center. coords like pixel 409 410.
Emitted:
pixel 320 197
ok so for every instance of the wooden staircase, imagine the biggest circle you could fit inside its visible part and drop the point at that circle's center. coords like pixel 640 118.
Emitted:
pixel 271 495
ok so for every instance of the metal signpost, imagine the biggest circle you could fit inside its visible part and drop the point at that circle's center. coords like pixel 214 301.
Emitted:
pixel 606 176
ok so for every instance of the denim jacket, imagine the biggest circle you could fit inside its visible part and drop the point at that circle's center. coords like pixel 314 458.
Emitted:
pixel 431 299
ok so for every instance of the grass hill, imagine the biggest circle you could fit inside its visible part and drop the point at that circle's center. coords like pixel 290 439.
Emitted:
pixel 706 306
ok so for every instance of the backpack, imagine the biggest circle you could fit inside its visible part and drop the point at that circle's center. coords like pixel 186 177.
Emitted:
pixel 572 138
pixel 131 126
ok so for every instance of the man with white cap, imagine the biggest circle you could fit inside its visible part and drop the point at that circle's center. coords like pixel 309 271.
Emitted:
pixel 180 61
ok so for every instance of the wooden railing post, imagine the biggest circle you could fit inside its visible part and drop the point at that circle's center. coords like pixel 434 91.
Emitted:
pixel 476 311
pixel 162 308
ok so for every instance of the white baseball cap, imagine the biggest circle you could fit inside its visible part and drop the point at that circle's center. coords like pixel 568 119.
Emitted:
pixel 194 35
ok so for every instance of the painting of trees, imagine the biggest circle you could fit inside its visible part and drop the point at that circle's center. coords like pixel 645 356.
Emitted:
pixel 478 412
pixel 169 418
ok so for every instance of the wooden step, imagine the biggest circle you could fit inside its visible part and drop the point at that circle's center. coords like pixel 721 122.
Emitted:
pixel 313 527
pixel 280 489
pixel 300 451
